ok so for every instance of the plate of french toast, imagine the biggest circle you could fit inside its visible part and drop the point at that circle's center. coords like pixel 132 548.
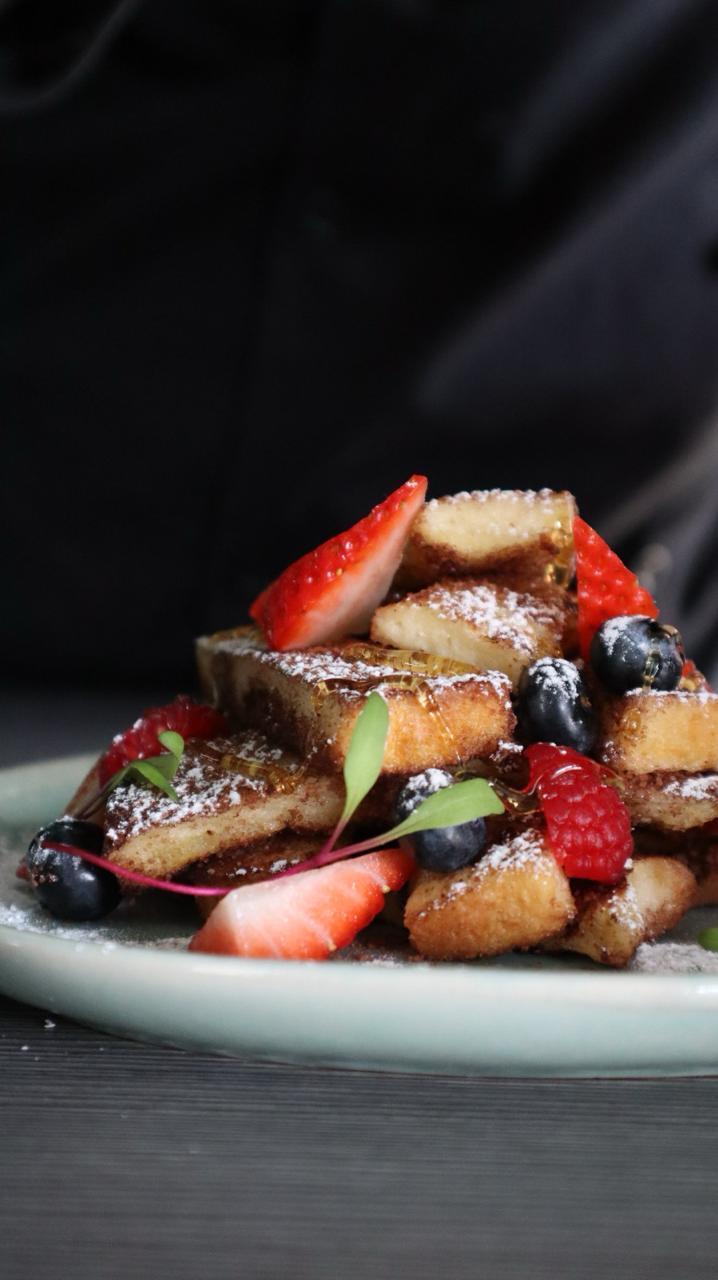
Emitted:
pixel 447 800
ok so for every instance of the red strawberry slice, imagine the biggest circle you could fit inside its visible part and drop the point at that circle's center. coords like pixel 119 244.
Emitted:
pixel 589 826
pixel 604 586
pixel 190 719
pixel 307 916
pixel 333 591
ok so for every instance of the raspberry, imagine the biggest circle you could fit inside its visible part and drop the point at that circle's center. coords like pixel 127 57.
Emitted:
pixel 588 824
pixel 604 586
pixel 190 719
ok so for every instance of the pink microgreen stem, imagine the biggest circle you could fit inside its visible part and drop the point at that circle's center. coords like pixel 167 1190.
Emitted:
pixel 136 877
pixel 328 854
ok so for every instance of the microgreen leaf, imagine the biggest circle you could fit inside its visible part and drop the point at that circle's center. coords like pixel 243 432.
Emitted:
pixel 362 764
pixel 147 770
pixel 157 770
pixel 172 742
pixel 461 802
pixel 449 807
pixel 709 939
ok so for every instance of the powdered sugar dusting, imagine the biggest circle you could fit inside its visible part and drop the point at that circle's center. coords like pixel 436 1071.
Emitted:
pixel 204 785
pixel 624 909
pixel 507 497
pixel 510 618
pixel 423 784
pixel 560 676
pixel 523 850
pixel 692 697
pixel 674 957
pixel 358 676
pixel 693 786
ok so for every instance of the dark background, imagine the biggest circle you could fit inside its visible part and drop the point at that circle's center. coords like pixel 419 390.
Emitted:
pixel 260 260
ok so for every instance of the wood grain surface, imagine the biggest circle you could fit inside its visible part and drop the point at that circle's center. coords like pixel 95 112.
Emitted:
pixel 124 1160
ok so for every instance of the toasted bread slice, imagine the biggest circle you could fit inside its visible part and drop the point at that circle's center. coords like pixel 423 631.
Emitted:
pixel 670 801
pixel 613 921
pixel 516 896
pixel 470 534
pixel 701 858
pixel 440 712
pixel 253 862
pixel 484 624
pixel 697 850
pixel 248 865
pixel 653 732
pixel 231 792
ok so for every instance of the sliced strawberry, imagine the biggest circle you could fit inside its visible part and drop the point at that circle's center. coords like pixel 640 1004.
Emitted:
pixel 190 719
pixel 604 586
pixel 307 916
pixel 333 591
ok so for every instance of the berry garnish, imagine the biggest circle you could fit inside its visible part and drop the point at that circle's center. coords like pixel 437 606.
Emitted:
pixel 307 916
pixel 637 653
pixel 333 591
pixel 439 848
pixel 604 586
pixel 589 826
pixel 692 680
pixel 554 705
pixel 68 886
pixel 184 716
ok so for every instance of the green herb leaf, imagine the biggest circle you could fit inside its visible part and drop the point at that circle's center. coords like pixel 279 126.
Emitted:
pixel 173 742
pixel 461 802
pixel 157 770
pixel 362 764
pixel 709 939
pixel 147 769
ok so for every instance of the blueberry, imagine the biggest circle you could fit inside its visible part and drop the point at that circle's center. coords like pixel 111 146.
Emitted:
pixel 635 652
pixel 67 886
pixel 554 705
pixel 443 848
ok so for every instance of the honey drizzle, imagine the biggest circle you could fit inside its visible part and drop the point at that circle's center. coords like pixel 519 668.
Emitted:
pixel 275 776
pixel 280 778
pixel 412 675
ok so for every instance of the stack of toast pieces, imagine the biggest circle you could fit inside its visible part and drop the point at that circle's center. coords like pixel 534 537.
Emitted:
pixel 482 592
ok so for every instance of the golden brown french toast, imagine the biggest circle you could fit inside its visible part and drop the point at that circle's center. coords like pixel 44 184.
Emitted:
pixel 514 897
pixel 250 864
pixel 612 921
pixel 482 623
pixel 253 862
pixel 670 801
pixel 440 712
pixel 701 859
pixel 652 732
pixel 470 534
pixel 231 792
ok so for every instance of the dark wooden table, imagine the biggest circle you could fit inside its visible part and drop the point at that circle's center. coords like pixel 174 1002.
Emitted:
pixel 124 1160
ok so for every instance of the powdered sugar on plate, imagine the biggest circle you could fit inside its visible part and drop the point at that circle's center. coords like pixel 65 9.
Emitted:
pixel 674 957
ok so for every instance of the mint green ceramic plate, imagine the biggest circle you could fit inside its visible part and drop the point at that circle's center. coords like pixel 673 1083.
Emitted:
pixel 522 1016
